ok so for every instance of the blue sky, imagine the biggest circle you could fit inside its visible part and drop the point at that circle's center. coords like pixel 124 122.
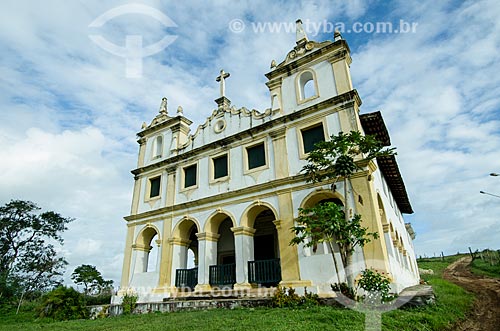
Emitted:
pixel 69 113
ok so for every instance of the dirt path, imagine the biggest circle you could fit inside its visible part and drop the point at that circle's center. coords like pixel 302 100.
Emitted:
pixel 485 315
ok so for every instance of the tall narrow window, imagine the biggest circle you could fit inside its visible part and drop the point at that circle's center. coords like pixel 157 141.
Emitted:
pixel 154 187
pixel 190 176
pixel 158 147
pixel 309 89
pixel 306 86
pixel 256 156
pixel 220 166
pixel 311 136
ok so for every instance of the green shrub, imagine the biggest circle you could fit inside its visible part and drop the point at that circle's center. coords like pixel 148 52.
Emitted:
pixel 283 298
pixel 344 289
pixel 96 300
pixel 376 287
pixel 288 298
pixel 63 303
pixel 309 299
pixel 129 302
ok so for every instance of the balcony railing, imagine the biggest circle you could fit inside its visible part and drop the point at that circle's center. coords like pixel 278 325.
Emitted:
pixel 186 278
pixel 222 275
pixel 264 272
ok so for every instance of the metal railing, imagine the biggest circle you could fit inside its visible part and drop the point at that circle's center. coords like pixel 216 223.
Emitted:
pixel 222 274
pixel 266 272
pixel 186 278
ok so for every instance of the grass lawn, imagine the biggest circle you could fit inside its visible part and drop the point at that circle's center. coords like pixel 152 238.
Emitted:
pixel 452 303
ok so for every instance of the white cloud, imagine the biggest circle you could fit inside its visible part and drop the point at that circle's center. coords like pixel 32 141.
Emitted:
pixel 69 115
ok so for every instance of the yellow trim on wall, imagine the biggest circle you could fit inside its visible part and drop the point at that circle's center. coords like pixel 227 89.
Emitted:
pixel 289 259
pixel 375 251
pixel 253 210
pixel 215 219
pixel 182 226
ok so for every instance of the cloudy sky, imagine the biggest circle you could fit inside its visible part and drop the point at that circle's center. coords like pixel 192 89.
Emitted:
pixel 69 109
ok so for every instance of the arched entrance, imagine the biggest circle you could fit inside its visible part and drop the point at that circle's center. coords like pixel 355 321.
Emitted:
pixel 264 269
pixel 220 250
pixel 223 274
pixel 185 255
pixel 146 261
pixel 265 239
pixel 319 251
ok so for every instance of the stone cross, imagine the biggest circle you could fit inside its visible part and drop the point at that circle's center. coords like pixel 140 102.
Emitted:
pixel 222 79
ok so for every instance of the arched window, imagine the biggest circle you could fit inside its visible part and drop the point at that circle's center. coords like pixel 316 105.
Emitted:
pixel 157 147
pixel 153 255
pixel 147 250
pixel 307 88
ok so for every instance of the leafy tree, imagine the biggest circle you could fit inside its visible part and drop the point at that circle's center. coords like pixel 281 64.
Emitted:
pixel 338 158
pixel 325 222
pixel 28 256
pixel 91 279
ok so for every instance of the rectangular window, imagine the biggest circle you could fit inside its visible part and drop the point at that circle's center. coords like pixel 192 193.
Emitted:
pixel 220 166
pixel 190 176
pixel 256 156
pixel 154 187
pixel 311 136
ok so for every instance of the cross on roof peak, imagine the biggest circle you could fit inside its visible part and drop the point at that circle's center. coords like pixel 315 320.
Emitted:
pixel 222 79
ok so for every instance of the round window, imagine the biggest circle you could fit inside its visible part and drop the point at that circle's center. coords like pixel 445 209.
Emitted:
pixel 219 126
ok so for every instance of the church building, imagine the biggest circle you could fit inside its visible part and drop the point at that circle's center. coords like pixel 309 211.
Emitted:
pixel 217 203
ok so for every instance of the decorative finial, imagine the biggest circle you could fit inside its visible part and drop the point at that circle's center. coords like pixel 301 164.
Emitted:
pixel 273 64
pixel 144 125
pixel 180 111
pixel 222 79
pixel 163 106
pixel 337 35
pixel 300 34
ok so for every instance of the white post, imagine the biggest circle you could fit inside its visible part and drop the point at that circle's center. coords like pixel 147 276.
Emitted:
pixel 179 256
pixel 207 256
pixel 243 242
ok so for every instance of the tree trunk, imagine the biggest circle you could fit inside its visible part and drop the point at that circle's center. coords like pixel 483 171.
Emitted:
pixel 330 244
pixel 347 255
pixel 20 302
pixel 348 271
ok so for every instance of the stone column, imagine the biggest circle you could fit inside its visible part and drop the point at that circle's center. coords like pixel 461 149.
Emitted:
pixel 243 244
pixel 127 259
pixel 280 153
pixel 136 196
pixel 342 74
pixel 179 256
pixel 170 198
pixel 207 256
pixel 289 259
pixel 142 152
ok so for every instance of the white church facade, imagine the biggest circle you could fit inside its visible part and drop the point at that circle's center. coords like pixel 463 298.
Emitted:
pixel 218 204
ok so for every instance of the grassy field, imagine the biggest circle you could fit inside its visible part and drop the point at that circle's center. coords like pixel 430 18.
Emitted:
pixel 452 303
pixel 480 267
